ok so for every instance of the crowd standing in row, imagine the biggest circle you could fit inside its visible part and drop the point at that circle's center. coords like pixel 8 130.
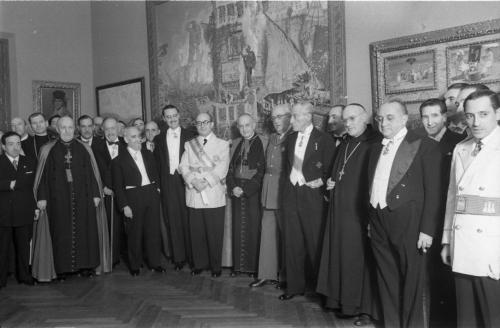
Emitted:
pixel 369 218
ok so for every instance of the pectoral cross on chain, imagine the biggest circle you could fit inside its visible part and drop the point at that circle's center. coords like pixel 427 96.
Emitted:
pixel 68 157
pixel 341 174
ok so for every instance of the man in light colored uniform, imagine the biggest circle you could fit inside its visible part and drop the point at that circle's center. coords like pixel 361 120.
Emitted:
pixel 204 167
pixel 471 236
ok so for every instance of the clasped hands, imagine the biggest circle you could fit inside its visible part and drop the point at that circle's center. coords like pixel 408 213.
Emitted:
pixel 237 192
pixel 199 184
pixel 315 183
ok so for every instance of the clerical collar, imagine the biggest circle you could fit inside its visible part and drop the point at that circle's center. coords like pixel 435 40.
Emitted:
pixel 87 140
pixel 439 135
pixel 66 143
pixel 177 130
pixel 12 159
pixel 307 131
pixel 41 135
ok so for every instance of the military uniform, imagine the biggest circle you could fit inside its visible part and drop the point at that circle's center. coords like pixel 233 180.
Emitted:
pixel 472 229
pixel 206 158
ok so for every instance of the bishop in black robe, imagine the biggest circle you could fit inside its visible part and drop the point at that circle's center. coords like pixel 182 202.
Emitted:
pixel 344 275
pixel 246 170
pixel 69 186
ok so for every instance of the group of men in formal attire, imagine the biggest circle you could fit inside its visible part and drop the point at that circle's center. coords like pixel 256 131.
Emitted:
pixel 390 225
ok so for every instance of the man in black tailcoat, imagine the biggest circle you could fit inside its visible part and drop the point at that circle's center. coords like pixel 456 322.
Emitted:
pixel 169 147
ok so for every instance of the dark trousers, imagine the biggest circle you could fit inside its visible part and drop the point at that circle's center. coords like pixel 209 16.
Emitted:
pixel 207 235
pixel 303 210
pixel 21 237
pixel 176 212
pixel 478 301
pixel 144 227
pixel 400 266
pixel 280 237
pixel 116 233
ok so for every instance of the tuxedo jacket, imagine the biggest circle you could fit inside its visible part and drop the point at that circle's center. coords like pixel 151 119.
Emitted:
pixel 318 158
pixel 415 177
pixel 103 159
pixel 162 155
pixel 126 174
pixel 17 207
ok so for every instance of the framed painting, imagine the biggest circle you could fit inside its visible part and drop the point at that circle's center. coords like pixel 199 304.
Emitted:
pixel 417 67
pixel 223 57
pixel 410 72
pixel 474 63
pixel 56 98
pixel 123 100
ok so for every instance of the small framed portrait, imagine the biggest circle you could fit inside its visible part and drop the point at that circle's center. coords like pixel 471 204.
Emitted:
pixel 56 98
pixel 124 100
pixel 474 63
pixel 410 72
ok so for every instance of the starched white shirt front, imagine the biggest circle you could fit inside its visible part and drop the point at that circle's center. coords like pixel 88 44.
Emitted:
pixel 296 176
pixel 380 184
pixel 173 145
pixel 137 156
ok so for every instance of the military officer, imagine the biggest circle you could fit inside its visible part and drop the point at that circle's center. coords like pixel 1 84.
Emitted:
pixel 471 236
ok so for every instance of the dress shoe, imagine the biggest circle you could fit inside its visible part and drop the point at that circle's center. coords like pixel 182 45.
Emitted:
pixel 178 266
pixel 87 273
pixel 281 285
pixel 286 297
pixel 134 273
pixel 159 269
pixel 258 283
pixel 29 282
pixel 195 272
pixel 363 320
pixel 216 274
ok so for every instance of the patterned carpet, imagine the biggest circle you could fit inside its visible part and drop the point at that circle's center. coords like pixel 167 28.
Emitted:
pixel 173 299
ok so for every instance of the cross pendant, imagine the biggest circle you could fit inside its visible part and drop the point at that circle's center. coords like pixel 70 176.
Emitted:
pixel 68 157
pixel 341 173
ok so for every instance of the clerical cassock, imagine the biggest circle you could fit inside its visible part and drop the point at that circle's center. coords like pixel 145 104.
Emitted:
pixel 246 170
pixel 344 275
pixel 69 185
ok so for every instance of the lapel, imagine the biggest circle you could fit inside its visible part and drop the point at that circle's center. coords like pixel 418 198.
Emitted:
pixel 146 163
pixel 131 163
pixel 403 159
pixel 312 145
pixel 182 142
pixel 372 163
pixel 472 165
pixel 8 164
pixel 106 151
pixel 291 146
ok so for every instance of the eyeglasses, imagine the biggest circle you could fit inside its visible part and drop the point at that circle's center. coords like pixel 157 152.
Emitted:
pixel 172 116
pixel 202 123
pixel 279 117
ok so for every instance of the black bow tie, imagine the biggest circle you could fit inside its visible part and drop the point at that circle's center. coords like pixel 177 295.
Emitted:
pixel 110 143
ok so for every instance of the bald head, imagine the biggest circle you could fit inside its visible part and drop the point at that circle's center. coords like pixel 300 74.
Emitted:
pixel 246 126
pixel 204 124
pixel 66 128
pixel 152 130
pixel 110 128
pixel 18 125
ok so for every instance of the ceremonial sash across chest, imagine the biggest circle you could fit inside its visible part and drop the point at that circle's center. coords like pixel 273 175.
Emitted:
pixel 202 156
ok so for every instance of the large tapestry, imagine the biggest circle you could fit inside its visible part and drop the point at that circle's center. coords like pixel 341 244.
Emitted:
pixel 228 58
